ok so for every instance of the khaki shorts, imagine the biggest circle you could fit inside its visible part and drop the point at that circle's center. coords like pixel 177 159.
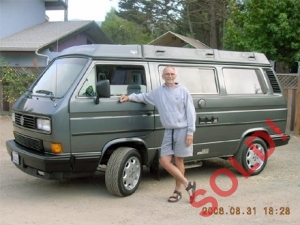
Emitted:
pixel 176 147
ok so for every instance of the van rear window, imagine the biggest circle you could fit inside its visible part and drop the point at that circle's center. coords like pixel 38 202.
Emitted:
pixel 244 81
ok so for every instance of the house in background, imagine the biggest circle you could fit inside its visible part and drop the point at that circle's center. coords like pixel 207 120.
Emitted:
pixel 28 41
pixel 37 45
pixel 176 40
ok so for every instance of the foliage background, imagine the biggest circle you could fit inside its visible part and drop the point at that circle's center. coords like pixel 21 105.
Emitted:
pixel 267 26
pixel 14 85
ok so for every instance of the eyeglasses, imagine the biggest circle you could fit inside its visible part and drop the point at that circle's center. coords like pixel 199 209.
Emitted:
pixel 169 74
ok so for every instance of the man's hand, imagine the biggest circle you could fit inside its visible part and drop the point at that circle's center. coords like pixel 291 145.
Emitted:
pixel 189 140
pixel 124 98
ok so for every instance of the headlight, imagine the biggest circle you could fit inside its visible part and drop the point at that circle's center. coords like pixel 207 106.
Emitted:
pixel 43 124
pixel 13 118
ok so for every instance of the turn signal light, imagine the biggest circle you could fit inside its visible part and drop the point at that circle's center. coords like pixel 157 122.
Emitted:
pixel 56 148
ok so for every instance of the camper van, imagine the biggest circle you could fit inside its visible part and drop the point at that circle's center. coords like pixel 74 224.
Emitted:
pixel 70 123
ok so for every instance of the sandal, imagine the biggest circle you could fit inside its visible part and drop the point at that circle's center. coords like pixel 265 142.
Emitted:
pixel 175 198
pixel 191 185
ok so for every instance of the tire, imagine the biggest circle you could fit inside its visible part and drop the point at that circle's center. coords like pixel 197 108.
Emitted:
pixel 123 172
pixel 247 158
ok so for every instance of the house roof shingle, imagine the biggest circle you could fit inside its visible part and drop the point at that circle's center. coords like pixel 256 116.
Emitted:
pixel 47 33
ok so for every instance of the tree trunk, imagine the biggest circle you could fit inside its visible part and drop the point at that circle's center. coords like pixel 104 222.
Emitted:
pixel 213 27
pixel 189 20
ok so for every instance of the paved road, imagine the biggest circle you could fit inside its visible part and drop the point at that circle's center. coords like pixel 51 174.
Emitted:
pixel 257 200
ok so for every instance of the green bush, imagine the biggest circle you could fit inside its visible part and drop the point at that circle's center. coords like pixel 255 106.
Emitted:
pixel 14 85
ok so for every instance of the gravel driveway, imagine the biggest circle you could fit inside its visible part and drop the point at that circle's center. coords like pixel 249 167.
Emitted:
pixel 271 197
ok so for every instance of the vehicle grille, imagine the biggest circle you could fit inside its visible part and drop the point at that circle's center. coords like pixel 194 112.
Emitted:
pixel 29 142
pixel 25 121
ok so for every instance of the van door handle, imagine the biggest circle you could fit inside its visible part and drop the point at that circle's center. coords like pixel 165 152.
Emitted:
pixel 215 119
pixel 211 119
pixel 202 119
pixel 148 113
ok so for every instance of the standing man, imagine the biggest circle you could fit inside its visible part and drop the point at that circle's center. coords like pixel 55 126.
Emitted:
pixel 177 115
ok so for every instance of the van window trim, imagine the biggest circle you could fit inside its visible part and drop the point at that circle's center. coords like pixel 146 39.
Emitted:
pixel 216 77
pixel 103 62
pixel 250 68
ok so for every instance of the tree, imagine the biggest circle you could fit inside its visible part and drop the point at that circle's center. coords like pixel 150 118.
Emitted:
pixel 123 31
pixel 156 16
pixel 207 19
pixel 200 19
pixel 268 26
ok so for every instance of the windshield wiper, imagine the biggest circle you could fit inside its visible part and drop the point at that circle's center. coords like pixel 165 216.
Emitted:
pixel 29 95
pixel 46 93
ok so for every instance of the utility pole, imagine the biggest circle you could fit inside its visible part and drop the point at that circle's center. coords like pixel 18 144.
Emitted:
pixel 66 11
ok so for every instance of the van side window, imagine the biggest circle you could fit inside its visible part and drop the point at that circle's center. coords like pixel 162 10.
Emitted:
pixel 124 79
pixel 89 86
pixel 244 81
pixel 196 80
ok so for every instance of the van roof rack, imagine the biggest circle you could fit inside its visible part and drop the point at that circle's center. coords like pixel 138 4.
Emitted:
pixel 164 53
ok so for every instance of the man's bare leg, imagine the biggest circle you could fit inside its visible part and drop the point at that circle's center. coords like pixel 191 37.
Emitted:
pixel 166 163
pixel 177 173
pixel 179 162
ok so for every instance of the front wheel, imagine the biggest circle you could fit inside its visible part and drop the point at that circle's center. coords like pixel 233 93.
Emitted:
pixel 123 171
pixel 248 159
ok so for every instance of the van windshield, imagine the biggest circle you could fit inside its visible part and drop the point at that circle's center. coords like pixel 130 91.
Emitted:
pixel 58 78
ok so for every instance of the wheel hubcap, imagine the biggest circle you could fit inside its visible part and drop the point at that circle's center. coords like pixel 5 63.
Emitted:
pixel 131 173
pixel 252 159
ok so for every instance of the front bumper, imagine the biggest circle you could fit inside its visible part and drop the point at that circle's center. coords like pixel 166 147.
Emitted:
pixel 51 167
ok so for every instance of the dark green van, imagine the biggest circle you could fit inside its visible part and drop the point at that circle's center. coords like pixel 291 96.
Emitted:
pixel 69 122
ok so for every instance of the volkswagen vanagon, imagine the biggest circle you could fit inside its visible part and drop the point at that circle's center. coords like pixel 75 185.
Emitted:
pixel 70 122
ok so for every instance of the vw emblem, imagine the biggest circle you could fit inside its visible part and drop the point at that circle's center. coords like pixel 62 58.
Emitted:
pixel 22 120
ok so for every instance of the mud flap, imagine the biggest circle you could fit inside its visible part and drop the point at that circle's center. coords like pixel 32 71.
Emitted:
pixel 154 168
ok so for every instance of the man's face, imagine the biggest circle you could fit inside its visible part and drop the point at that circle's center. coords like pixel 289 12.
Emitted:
pixel 169 76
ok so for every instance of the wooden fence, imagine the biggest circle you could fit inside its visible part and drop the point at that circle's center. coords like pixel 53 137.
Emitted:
pixel 291 85
pixel 4 106
pixel 289 82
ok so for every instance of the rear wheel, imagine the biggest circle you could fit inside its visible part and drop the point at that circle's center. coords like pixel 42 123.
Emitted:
pixel 247 157
pixel 123 171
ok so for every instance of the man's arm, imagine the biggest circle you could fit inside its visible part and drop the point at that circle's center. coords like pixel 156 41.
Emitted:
pixel 124 98
pixel 147 98
pixel 191 115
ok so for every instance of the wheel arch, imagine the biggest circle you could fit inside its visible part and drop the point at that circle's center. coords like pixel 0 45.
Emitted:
pixel 136 143
pixel 249 133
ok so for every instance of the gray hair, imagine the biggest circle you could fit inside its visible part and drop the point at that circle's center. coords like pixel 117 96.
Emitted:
pixel 168 67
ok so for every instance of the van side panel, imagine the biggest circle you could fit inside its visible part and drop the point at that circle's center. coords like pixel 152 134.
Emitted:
pixel 224 118
pixel 94 126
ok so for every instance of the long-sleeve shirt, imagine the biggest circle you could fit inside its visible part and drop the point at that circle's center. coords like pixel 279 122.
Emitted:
pixel 174 104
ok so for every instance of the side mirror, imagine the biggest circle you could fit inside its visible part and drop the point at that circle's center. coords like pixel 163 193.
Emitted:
pixel 103 90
